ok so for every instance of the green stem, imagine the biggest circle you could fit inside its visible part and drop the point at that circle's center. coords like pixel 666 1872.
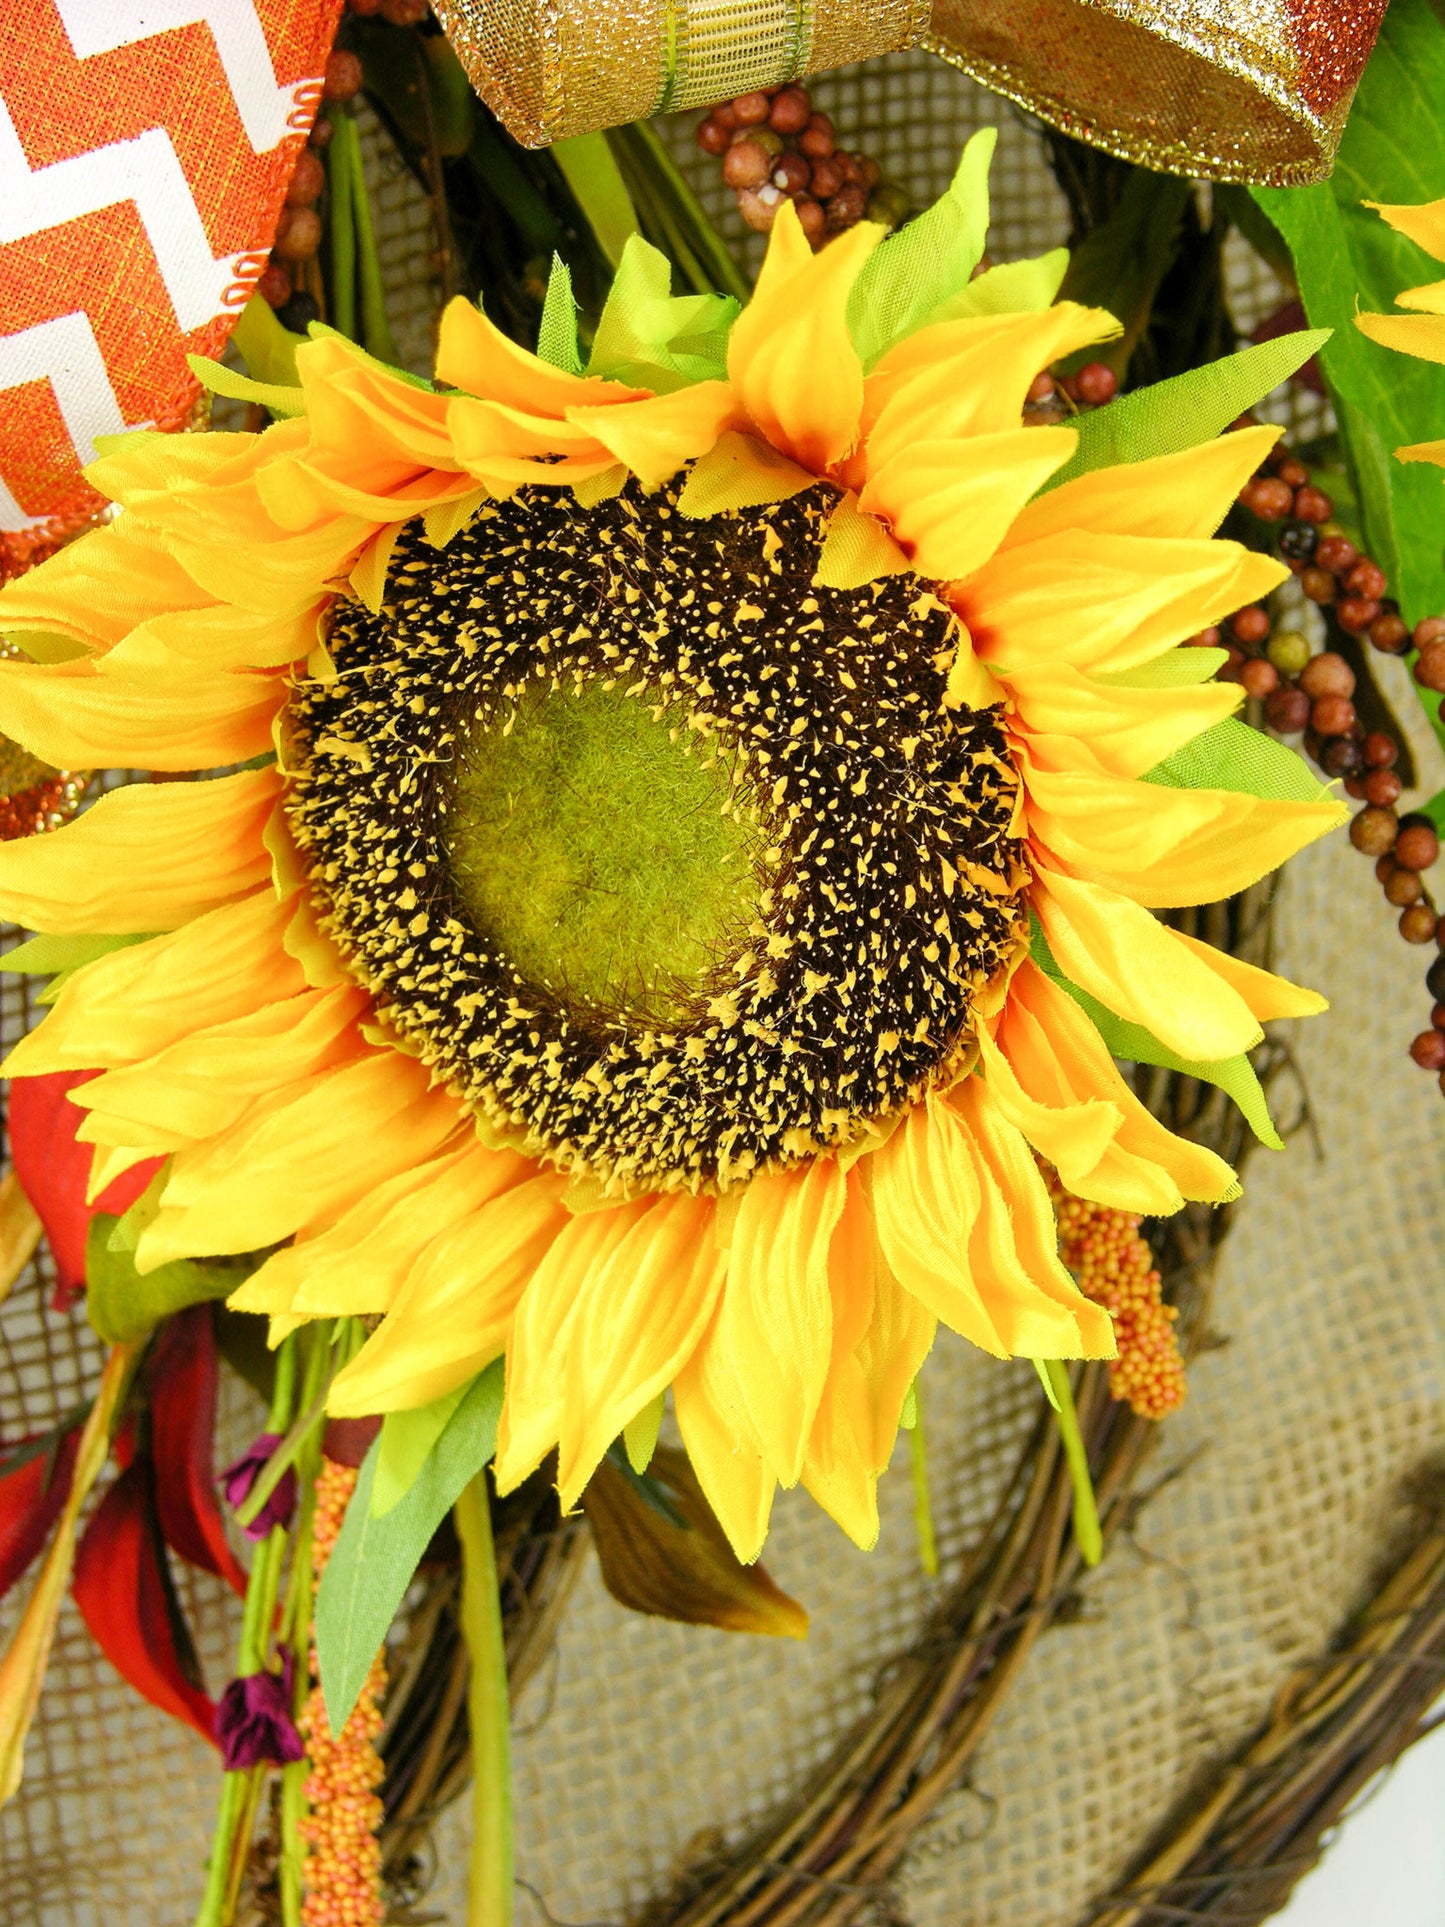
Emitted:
pixel 343 158
pixel 1087 1531
pixel 489 1880
pixel 296 1632
pixel 272 1471
pixel 218 1868
pixel 922 1503
pixel 642 154
pixel 375 328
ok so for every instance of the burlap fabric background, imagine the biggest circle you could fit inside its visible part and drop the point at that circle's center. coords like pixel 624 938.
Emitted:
pixel 642 1740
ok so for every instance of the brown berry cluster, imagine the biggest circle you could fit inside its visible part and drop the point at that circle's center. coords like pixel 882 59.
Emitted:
pixel 1115 1268
pixel 1311 695
pixel 341 1875
pixel 1053 398
pixel 774 148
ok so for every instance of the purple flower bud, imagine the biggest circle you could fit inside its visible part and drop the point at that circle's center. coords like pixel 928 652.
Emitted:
pixel 237 1481
pixel 253 1722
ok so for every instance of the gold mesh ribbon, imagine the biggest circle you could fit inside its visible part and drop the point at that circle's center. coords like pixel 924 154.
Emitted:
pixel 552 68
pixel 1236 90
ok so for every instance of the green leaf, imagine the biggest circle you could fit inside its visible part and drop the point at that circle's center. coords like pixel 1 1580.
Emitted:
pixel 557 334
pixel 1187 409
pixel 1435 810
pixel 123 1304
pixel 589 169
pixel 268 348
pixel 1182 668
pixel 220 380
pixel 1014 287
pixel 1235 1076
pixel 1119 265
pixel 1347 258
pixel 405 1445
pixel 374 1559
pixel 1232 756
pixel 927 262
pixel 43 956
pixel 650 338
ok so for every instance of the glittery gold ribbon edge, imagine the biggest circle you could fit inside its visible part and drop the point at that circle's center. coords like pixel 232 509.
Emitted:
pixel 1179 156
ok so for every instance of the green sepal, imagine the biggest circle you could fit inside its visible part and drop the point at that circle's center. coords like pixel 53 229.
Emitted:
pixel 405 1445
pixel 123 1304
pixel 220 380
pixel 1182 668
pixel 374 1559
pixel 46 645
pixel 557 334
pixel 927 263
pixel 1235 1076
pixel 639 1435
pixel 44 956
pixel 1232 756
pixel 1187 409
pixel 649 337
pixel 268 348
pixel 1014 287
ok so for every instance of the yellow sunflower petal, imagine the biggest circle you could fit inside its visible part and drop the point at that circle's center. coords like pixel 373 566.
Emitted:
pixel 1124 731
pixel 1183 495
pixel 1164 846
pixel 453 1314
pixel 791 359
pixel 949 503
pixel 926 1201
pixel 205 640
pixel 146 857
pixel 1266 995
pixel 1142 970
pixel 1423 223
pixel 475 356
pixel 296 1158
pixel 1059 1059
pixel 656 436
pixel 200 1085
pixel 1421 335
pixel 777 1315
pixel 97 590
pixel 722 1444
pixel 71 715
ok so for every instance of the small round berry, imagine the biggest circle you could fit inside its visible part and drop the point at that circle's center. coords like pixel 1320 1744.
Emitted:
pixel 1372 830
pixel 723 114
pixel 320 136
pixel 712 136
pixel 1429 669
pixel 342 78
pixel 1428 1050
pixel 791 173
pixel 752 109
pixel 827 178
pixel 1418 845
pixel 1366 580
pixel 1356 615
pixel 1337 554
pixel 1287 710
pixel 1354 786
pixel 298 234
pixel 1270 499
pixel 1384 868
pixel 1318 585
pixel 1293 471
pixel 405 13
pixel 1340 756
pixel 1403 887
pixel 1382 787
pixel 812 218
pixel 1381 751
pixel 1435 979
pixel 1289 651
pixel 869 173
pixel 1041 388
pixel 307 182
pixel 1250 626
pixel 1432 629
pixel 1206 639
pixel 1437 1016
pixel 747 163
pixel 274 287
pixel 298 311
pixel 1327 674
pixel 364 9
pixel 1313 505
pixel 759 206
pixel 1390 634
pixel 1297 541
pixel 1260 678
pixel 791 111
pixel 817 139
pixel 846 208
pixel 1097 383
pixel 1418 924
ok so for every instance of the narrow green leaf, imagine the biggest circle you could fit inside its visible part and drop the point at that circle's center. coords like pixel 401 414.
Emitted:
pixel 589 169
pixel 926 262
pixel 220 380
pixel 405 1445
pixel 1232 756
pixel 1182 668
pixel 1186 409
pixel 557 335
pixel 1346 258
pixel 268 348
pixel 374 1559
pixel 43 956
pixel 1013 287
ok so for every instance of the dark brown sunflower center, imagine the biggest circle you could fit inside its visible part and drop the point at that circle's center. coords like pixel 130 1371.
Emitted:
pixel 669 862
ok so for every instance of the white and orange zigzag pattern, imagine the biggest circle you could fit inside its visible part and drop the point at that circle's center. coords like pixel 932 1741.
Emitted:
pixel 146 172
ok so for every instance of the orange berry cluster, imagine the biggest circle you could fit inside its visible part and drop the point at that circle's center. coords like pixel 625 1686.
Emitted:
pixel 342 1872
pixel 1115 1268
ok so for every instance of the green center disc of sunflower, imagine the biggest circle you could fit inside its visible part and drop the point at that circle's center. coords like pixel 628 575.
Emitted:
pixel 609 857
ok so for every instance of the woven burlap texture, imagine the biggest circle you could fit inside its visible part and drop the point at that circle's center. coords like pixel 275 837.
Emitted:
pixel 643 1739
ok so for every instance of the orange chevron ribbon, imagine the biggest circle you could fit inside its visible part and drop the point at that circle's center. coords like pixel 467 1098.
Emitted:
pixel 145 147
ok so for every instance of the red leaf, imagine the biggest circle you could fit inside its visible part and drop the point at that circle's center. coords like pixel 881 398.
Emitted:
pixel 54 1169
pixel 122 1585
pixel 34 1483
pixel 182 1377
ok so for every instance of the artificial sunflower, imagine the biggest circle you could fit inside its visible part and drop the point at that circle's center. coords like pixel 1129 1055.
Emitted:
pixel 706 803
